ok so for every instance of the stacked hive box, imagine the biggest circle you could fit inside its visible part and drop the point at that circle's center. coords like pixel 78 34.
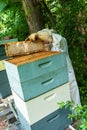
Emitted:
pixel 4 84
pixel 38 82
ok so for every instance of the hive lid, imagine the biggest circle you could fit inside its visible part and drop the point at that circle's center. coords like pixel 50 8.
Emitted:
pixel 2 42
pixel 19 60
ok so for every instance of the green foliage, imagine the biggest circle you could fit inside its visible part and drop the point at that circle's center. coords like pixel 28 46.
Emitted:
pixel 79 113
pixel 2 5
pixel 71 22
pixel 13 22
pixel 80 67
pixel 71 18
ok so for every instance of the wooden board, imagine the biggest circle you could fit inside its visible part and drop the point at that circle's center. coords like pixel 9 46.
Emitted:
pixel 23 47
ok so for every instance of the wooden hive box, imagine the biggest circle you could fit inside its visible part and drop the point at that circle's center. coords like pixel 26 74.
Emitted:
pixel 38 108
pixel 58 120
pixel 4 84
pixel 32 75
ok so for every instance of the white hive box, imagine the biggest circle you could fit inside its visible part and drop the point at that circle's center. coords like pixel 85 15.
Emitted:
pixel 41 106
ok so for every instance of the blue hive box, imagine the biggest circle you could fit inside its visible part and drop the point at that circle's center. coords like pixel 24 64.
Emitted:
pixel 5 89
pixel 33 75
pixel 58 120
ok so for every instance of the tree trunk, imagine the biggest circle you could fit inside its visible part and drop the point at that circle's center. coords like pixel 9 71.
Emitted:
pixel 33 15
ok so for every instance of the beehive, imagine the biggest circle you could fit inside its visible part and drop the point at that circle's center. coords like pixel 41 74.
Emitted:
pixel 32 75
pixel 38 82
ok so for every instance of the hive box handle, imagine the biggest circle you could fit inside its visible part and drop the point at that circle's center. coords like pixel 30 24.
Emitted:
pixel 45 64
pixel 53 118
pixel 50 97
pixel 47 82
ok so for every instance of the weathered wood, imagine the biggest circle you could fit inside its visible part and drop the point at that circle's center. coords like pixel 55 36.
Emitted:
pixel 23 47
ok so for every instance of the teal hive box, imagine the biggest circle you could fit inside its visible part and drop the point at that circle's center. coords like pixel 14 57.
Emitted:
pixel 2 47
pixel 30 76
pixel 31 66
pixel 35 87
pixel 5 89
pixel 58 120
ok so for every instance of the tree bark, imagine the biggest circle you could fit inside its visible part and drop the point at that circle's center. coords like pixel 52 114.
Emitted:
pixel 34 15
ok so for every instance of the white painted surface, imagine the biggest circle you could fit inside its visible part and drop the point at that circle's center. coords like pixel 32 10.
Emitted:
pixel 43 105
